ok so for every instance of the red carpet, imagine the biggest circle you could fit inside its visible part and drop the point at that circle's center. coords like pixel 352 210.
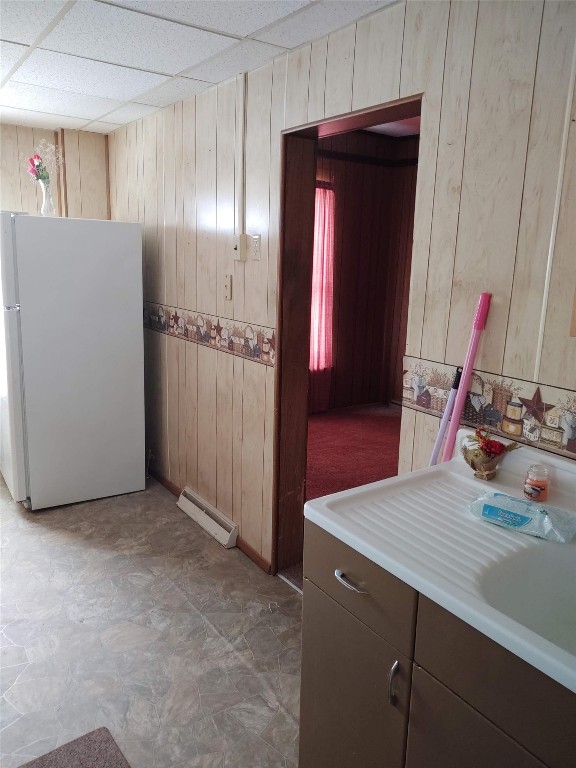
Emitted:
pixel 350 447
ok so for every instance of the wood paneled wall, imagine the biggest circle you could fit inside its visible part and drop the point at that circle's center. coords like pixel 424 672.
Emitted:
pixel 493 212
pixel 18 190
pixel 79 190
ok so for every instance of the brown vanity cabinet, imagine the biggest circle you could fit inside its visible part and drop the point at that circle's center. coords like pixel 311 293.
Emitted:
pixel 383 687
pixel 355 679
pixel 445 732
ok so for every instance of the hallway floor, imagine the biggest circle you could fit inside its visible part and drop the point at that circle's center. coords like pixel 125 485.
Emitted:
pixel 123 613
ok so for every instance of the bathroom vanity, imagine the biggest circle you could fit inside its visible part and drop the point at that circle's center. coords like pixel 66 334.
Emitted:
pixel 432 638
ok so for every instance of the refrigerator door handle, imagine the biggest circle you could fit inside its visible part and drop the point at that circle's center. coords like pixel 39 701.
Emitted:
pixel 14 308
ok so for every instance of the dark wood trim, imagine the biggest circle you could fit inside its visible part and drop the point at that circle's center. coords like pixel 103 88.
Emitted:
pixel 400 109
pixel 63 186
pixel 253 555
pixel 293 353
pixel 366 160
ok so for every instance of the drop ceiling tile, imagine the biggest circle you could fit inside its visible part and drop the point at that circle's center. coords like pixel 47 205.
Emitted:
pixel 54 101
pixel 120 36
pixel 128 113
pixel 100 127
pixel 236 17
pixel 317 20
pixel 23 20
pixel 247 55
pixel 38 119
pixel 177 89
pixel 10 53
pixel 92 78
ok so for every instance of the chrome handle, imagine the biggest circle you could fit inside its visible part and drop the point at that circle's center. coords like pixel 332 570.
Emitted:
pixel 14 308
pixel 392 697
pixel 345 581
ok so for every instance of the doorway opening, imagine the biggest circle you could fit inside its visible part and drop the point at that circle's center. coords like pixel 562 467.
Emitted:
pixel 347 223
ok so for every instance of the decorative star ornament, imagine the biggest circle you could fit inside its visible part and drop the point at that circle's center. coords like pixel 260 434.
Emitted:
pixel 536 407
pixel 218 328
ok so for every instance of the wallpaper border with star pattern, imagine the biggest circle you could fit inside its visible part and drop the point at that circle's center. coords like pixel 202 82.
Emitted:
pixel 536 414
pixel 235 337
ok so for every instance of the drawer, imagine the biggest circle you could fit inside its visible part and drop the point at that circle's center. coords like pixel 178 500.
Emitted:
pixel 388 605
pixel 525 703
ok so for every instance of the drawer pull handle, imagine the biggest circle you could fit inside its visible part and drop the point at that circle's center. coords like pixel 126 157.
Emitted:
pixel 392 697
pixel 345 581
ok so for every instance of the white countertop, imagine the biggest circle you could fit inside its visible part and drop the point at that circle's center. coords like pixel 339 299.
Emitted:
pixel 417 526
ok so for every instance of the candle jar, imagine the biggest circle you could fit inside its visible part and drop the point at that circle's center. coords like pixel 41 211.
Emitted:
pixel 536 483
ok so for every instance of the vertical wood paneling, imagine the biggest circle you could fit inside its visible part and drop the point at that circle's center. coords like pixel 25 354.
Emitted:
pixel 423 53
pixel 170 205
pixel 121 174
pixel 28 187
pixel 448 185
pixel 558 361
pixel 112 175
pixel 494 162
pixel 258 191
pixel 92 170
pixel 425 431
pixel 179 172
pixel 237 439
pixel 207 404
pixel 339 72
pixel 181 431
pixel 406 441
pixel 378 56
pixel 268 478
pixel 73 174
pixel 276 127
pixel 160 281
pixel 206 244
pixel 10 197
pixel 297 79
pixel 224 440
pixel 317 82
pixel 225 192
pixel 189 194
pixel 478 168
pixel 172 408
pixel 132 172
pixel 151 292
pixel 190 424
pixel 254 408
pixel 239 270
pixel 543 165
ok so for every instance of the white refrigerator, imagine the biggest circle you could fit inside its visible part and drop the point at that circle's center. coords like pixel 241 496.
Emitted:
pixel 71 359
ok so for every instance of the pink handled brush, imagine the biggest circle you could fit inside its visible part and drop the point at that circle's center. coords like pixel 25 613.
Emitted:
pixel 477 328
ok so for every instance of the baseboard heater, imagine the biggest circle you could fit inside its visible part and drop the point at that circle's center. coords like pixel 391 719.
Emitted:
pixel 224 530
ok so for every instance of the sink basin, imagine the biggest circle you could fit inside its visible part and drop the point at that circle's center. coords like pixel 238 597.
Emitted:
pixel 537 588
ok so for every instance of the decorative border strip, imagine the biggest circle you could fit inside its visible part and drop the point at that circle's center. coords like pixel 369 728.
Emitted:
pixel 249 341
pixel 536 414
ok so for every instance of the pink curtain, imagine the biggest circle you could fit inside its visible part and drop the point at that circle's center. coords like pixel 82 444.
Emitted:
pixel 322 302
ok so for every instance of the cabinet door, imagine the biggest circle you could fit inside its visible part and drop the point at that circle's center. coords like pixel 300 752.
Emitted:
pixel 445 731
pixel 347 719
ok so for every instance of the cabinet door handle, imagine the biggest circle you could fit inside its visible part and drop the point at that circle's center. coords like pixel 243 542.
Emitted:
pixel 394 669
pixel 345 581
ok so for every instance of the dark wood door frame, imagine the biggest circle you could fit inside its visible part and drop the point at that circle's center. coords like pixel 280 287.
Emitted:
pixel 293 321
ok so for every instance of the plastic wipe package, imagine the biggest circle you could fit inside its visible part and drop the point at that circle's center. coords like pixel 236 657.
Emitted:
pixel 531 517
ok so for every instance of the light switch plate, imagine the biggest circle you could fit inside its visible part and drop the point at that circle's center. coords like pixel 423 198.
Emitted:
pixel 255 242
